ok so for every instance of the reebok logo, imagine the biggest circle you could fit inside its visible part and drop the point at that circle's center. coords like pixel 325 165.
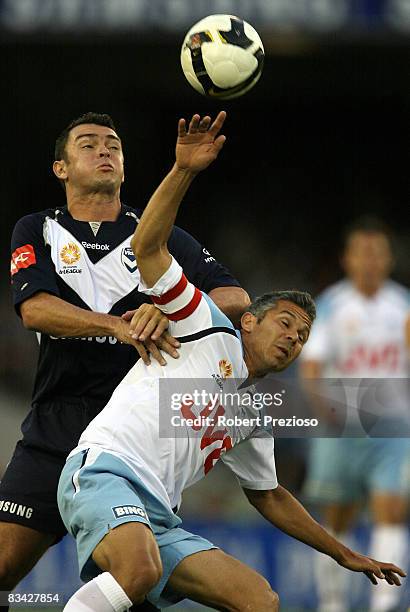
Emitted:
pixel 120 511
pixel 14 508
pixel 95 246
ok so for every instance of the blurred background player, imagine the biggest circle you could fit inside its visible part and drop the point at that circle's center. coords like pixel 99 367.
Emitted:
pixel 74 275
pixel 362 331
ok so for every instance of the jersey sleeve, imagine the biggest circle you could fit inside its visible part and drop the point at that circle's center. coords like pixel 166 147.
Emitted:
pixel 182 302
pixel 198 264
pixel 31 267
pixel 253 463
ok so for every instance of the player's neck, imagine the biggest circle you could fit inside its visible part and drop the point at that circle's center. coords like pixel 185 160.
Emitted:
pixel 367 291
pixel 255 369
pixel 94 207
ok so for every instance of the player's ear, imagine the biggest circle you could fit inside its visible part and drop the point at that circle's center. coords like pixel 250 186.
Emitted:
pixel 248 321
pixel 60 170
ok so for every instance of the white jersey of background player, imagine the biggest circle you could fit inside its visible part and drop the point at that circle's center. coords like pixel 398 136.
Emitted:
pixel 116 492
pixel 362 337
pixel 362 331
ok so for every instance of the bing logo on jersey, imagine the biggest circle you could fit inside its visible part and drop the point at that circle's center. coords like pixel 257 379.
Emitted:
pixel 120 511
pixel 128 259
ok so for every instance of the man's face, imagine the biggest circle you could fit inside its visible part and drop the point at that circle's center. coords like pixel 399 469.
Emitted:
pixel 277 340
pixel 94 161
pixel 367 260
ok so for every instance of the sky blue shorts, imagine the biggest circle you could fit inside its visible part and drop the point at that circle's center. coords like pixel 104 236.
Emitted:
pixel 344 470
pixel 98 495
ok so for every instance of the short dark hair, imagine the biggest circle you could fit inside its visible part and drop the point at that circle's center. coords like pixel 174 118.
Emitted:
pixel 366 224
pixel 265 302
pixel 96 118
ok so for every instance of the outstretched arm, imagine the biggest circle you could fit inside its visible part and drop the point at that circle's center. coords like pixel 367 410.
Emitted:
pixel 281 509
pixel 51 315
pixel 197 147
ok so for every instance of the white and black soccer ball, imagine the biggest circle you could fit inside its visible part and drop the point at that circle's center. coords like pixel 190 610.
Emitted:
pixel 222 56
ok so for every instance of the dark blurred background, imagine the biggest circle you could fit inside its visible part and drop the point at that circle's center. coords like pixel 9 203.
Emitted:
pixel 323 137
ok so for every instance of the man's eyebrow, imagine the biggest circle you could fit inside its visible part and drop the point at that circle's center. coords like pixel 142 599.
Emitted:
pixel 95 135
pixel 288 312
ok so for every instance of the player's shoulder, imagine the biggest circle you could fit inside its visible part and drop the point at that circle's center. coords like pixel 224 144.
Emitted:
pixel 178 237
pixel 394 291
pixel 35 220
pixel 130 211
pixel 219 319
pixel 333 297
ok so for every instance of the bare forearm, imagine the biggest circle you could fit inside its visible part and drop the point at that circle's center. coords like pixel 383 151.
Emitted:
pixel 51 315
pixel 281 509
pixel 233 301
pixel 198 145
pixel 149 242
pixel 158 218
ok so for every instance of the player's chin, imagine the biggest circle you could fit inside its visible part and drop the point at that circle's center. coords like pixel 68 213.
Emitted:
pixel 279 363
pixel 107 184
pixel 284 362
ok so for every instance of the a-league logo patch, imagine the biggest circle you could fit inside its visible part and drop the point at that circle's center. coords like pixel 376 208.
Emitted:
pixel 128 259
pixel 120 511
pixel 70 253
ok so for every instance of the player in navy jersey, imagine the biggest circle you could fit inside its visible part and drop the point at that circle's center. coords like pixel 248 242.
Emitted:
pixel 119 485
pixel 73 276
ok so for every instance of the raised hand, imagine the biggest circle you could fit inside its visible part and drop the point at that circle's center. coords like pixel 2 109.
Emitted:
pixel 200 144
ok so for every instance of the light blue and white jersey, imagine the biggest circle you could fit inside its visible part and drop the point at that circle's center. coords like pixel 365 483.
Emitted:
pixel 361 337
pixel 211 359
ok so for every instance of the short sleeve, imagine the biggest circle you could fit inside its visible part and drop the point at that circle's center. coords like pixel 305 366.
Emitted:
pixel 31 267
pixel 253 463
pixel 198 264
pixel 173 294
pixel 179 300
pixel 189 310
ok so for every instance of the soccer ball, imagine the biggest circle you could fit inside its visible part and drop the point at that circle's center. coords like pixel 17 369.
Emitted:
pixel 222 56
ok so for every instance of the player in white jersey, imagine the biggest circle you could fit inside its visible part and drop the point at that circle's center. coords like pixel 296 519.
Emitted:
pixel 119 485
pixel 360 332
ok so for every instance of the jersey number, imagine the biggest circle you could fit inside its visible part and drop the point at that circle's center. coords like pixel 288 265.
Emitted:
pixel 211 435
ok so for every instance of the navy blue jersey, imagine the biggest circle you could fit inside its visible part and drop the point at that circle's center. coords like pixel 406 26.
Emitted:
pixel 91 265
